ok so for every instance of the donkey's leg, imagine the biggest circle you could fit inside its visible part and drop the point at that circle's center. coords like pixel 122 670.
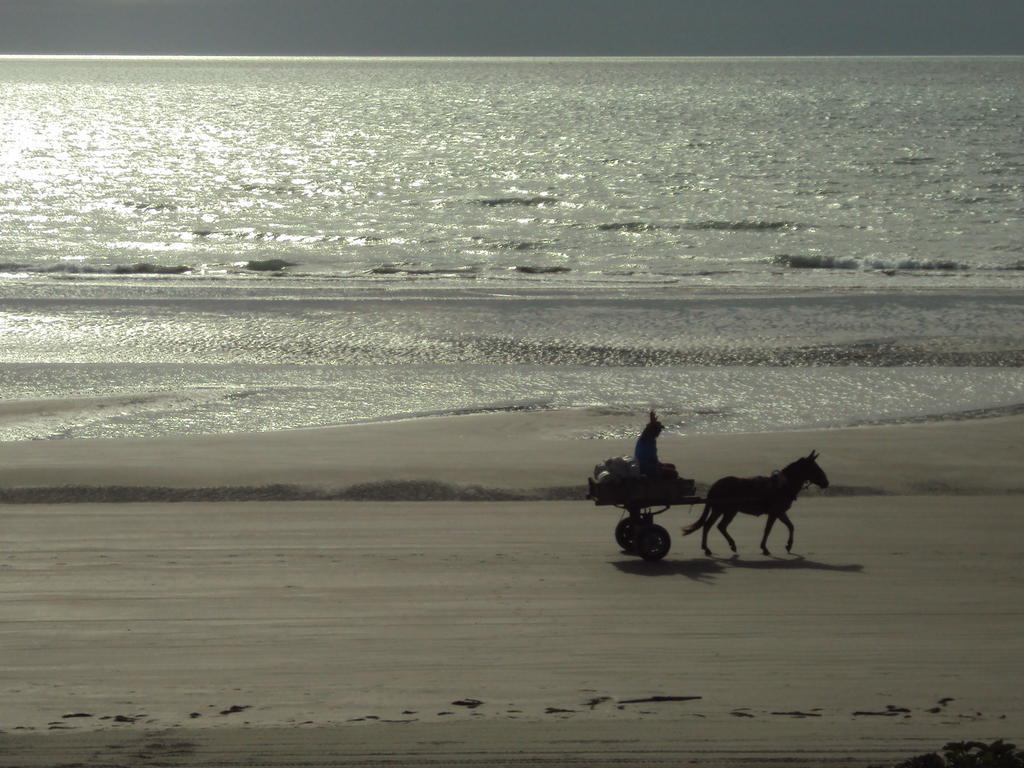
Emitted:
pixel 715 513
pixel 767 529
pixel 786 522
pixel 723 526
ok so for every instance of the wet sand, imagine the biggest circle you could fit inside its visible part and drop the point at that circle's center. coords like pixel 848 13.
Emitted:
pixel 353 633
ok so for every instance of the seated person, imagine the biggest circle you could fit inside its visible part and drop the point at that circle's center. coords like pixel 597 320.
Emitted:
pixel 646 452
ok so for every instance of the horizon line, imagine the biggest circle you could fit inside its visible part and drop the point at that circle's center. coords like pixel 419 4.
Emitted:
pixel 504 57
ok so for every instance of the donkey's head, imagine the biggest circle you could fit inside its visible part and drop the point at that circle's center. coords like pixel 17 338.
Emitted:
pixel 809 471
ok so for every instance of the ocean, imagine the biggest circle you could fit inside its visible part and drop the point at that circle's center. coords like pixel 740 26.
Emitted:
pixel 208 245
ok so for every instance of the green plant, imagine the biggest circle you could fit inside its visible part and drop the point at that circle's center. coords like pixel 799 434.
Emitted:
pixel 970 754
pixel 930 760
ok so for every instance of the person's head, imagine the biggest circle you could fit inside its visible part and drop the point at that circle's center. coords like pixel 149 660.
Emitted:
pixel 654 427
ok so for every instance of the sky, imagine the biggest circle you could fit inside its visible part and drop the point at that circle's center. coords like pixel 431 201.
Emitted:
pixel 513 27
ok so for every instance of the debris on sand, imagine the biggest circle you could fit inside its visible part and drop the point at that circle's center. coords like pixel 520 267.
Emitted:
pixel 655 699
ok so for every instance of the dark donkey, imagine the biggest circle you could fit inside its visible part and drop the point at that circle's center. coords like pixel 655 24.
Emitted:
pixel 772 496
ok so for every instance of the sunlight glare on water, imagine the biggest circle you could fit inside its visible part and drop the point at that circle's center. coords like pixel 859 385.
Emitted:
pixel 246 244
pixel 628 170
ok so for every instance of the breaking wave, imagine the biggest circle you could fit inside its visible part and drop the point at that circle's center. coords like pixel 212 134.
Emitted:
pixel 151 207
pixel 633 227
pixel 509 350
pixel 815 262
pixel 414 271
pixel 267 265
pixel 926 265
pixel 913 160
pixel 139 268
pixel 274 188
pixel 255 235
pixel 518 245
pixel 818 261
pixel 745 225
pixel 75 268
pixel 250 234
pixel 532 270
pixel 529 202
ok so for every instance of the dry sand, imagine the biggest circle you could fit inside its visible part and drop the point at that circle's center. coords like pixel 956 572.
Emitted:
pixel 322 633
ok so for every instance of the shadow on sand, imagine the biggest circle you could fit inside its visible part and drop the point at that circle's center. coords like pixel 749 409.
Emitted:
pixel 706 568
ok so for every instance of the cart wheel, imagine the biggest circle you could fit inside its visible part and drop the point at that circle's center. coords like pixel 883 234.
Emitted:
pixel 624 534
pixel 653 542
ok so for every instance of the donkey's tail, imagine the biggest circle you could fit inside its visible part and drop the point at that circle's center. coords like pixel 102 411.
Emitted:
pixel 699 522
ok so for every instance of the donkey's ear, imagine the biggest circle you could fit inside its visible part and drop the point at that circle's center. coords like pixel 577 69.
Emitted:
pixel 813 455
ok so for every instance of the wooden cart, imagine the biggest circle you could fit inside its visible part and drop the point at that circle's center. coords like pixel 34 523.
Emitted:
pixel 636 532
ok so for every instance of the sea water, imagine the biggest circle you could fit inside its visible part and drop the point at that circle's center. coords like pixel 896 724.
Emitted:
pixel 212 245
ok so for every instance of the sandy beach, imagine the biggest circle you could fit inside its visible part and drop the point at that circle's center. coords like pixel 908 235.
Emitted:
pixel 333 631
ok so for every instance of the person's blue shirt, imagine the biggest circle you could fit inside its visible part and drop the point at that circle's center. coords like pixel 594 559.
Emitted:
pixel 646 453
